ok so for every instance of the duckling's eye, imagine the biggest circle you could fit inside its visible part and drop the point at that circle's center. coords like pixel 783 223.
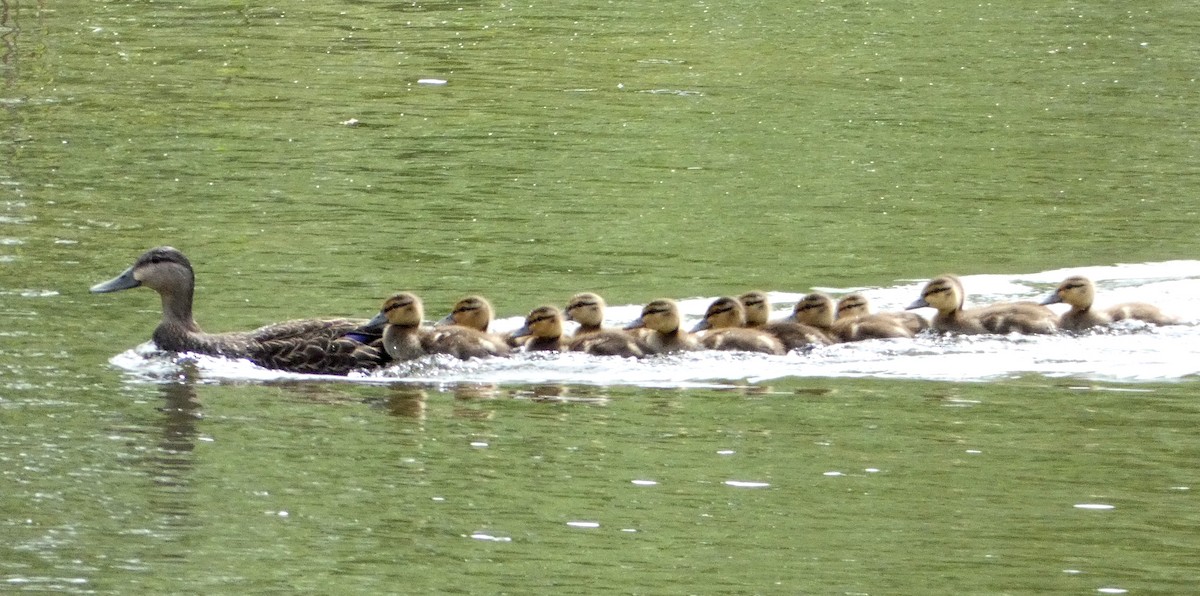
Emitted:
pixel 393 306
pixel 933 291
pixel 465 309
pixel 751 302
pixel 656 311
pixel 807 306
pixel 1072 286
pixel 539 319
pixel 720 311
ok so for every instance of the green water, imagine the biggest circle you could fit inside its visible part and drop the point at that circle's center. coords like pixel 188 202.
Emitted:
pixel 636 149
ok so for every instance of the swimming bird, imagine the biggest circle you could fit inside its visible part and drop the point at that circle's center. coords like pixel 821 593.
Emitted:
pixel 817 310
pixel 660 330
pixel 1079 292
pixel 475 312
pixel 315 346
pixel 544 329
pixel 591 337
pixel 724 328
pixel 856 305
pixel 794 335
pixel 406 338
pixel 946 294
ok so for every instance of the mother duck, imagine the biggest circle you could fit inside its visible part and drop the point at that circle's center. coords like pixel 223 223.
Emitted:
pixel 315 346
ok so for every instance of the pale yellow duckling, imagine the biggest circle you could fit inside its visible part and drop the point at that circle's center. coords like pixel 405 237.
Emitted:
pixel 661 325
pixel 405 337
pixel 856 305
pixel 544 328
pixel 1079 292
pixel 475 312
pixel 794 335
pixel 946 294
pixel 724 328
pixel 587 309
pixel 818 310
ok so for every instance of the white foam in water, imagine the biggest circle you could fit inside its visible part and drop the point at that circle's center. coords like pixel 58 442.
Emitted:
pixel 1128 352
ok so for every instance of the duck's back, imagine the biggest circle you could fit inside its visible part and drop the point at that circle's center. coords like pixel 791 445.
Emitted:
pixel 607 342
pixel 1018 317
pixel 463 342
pixel 742 339
pixel 1140 311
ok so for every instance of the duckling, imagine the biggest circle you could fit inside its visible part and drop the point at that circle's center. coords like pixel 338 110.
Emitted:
pixel 946 294
pixel 316 346
pixel 544 328
pixel 405 337
pixel 724 329
pixel 661 332
pixel 794 335
pixel 817 310
pixel 1079 292
pixel 587 309
pixel 857 305
pixel 475 312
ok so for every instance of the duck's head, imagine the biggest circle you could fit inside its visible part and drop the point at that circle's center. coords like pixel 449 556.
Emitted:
pixel 853 305
pixel 1077 290
pixel 543 321
pixel 815 309
pixel 163 269
pixel 474 312
pixel 944 293
pixel 723 312
pixel 586 309
pixel 403 309
pixel 757 308
pixel 659 315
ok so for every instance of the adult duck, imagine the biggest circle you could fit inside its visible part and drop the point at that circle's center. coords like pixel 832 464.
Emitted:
pixel 316 346
pixel 946 295
pixel 587 309
pixel 1079 292
pixel 405 337
pixel 723 328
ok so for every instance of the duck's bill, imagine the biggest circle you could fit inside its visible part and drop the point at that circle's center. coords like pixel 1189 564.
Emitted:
pixel 920 303
pixel 701 326
pixel 376 324
pixel 123 281
pixel 1052 299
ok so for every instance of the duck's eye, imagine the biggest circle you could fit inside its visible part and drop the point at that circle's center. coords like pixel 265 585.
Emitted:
pixel 1072 286
pixel 719 311
pixel 655 311
pixel 752 302
pixel 938 290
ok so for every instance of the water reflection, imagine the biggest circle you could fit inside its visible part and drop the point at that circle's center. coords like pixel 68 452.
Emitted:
pixel 171 465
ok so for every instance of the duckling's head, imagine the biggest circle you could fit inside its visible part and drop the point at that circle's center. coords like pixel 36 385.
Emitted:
pixel 757 308
pixel 853 305
pixel 815 309
pixel 587 309
pixel 163 269
pixel 723 312
pixel 659 315
pixel 944 293
pixel 1077 290
pixel 403 309
pixel 474 312
pixel 542 322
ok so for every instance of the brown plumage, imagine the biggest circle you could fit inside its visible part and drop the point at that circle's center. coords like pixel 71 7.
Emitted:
pixel 794 335
pixel 659 328
pixel 406 338
pixel 1079 292
pixel 587 309
pixel 946 294
pixel 723 328
pixel 855 305
pixel 315 346
pixel 544 329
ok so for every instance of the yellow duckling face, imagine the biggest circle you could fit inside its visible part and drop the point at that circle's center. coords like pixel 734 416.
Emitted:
pixel 473 312
pixel 586 309
pixel 542 322
pixel 722 313
pixel 1077 290
pixel 757 308
pixel 660 315
pixel 402 309
pixel 815 309
pixel 853 305
pixel 944 293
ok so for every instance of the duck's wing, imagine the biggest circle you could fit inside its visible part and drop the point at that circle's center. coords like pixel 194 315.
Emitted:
pixel 317 346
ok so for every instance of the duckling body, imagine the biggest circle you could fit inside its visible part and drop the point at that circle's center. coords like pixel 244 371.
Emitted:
pixel 661 328
pixel 724 328
pixel 818 310
pixel 544 329
pixel 475 312
pixel 587 309
pixel 406 338
pixel 315 346
pixel 794 335
pixel 1079 292
pixel 946 294
pixel 856 305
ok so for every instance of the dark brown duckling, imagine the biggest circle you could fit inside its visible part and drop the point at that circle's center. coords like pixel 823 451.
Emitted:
pixel 406 338
pixel 662 333
pixel 724 328
pixel 794 335
pixel 1079 292
pixel 315 346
